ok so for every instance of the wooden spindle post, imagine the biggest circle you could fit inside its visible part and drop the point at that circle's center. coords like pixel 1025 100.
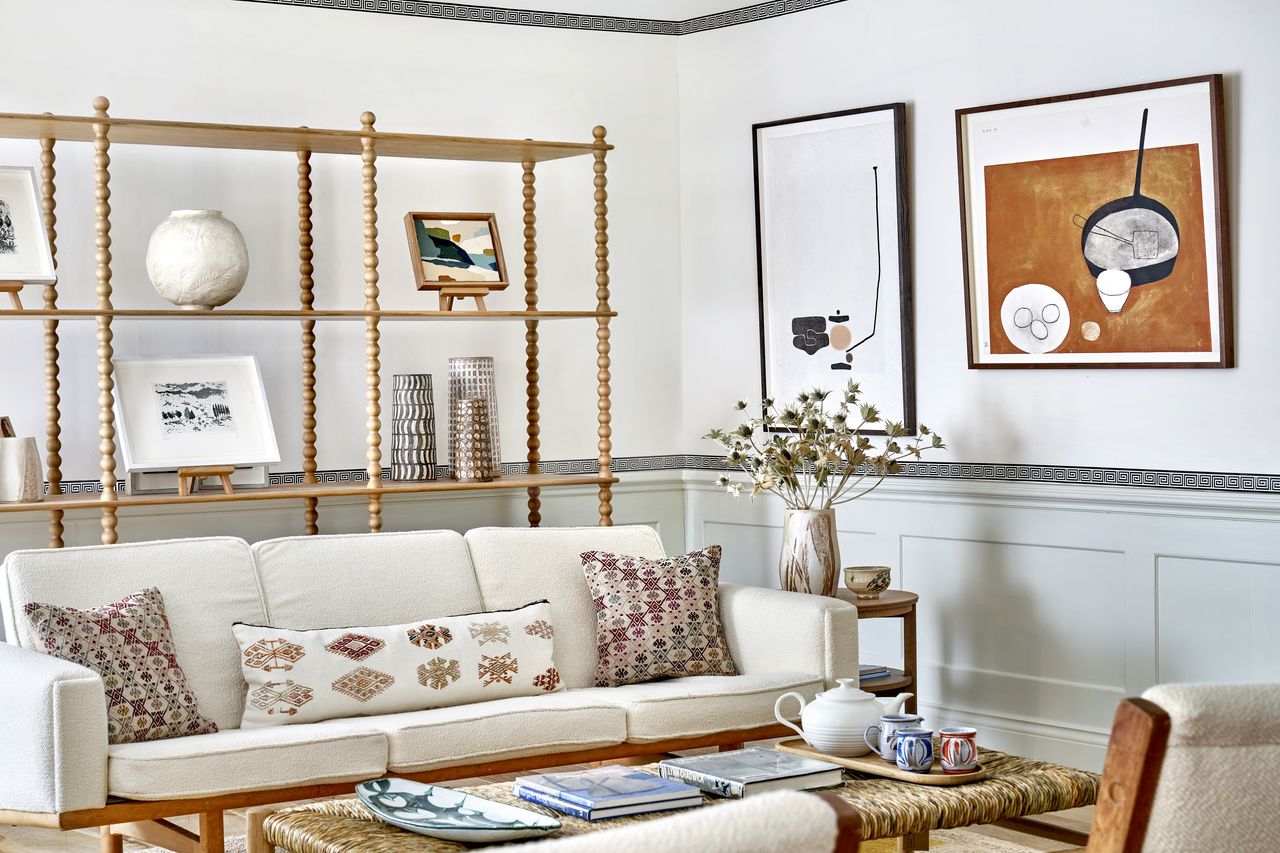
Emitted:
pixel 372 347
pixel 306 284
pixel 531 339
pixel 52 398
pixel 102 258
pixel 603 375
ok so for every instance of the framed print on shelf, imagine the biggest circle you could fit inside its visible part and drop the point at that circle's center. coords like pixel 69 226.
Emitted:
pixel 181 411
pixel 1095 229
pixel 833 256
pixel 457 254
pixel 25 257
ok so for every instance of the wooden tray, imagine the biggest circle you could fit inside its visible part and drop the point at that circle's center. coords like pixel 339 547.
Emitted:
pixel 872 764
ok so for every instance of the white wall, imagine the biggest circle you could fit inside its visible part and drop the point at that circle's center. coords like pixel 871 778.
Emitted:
pixel 1041 605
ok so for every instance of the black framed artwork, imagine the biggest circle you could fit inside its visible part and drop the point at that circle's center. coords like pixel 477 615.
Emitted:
pixel 833 256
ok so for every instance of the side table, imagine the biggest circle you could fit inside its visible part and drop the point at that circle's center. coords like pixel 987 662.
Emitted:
pixel 892 604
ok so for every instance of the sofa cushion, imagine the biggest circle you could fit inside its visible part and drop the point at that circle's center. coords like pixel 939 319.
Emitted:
pixel 245 760
pixel 367 579
pixel 702 704
pixel 207 584
pixel 515 565
pixel 129 644
pixel 329 673
pixel 657 618
pixel 502 728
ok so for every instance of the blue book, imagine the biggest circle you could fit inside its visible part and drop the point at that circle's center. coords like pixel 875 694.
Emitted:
pixel 585 813
pixel 607 787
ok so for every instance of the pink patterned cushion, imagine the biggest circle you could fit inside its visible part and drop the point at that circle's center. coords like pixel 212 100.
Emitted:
pixel 128 643
pixel 657 618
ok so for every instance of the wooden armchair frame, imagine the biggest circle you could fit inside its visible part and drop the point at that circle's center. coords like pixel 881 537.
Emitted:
pixel 1139 738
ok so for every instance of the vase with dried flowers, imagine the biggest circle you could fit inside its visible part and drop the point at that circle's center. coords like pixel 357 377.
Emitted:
pixel 814 455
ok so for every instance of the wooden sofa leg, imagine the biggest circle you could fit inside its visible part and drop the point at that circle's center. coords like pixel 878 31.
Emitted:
pixel 730 747
pixel 110 842
pixel 211 840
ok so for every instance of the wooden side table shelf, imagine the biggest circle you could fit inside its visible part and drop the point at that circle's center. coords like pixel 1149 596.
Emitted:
pixel 892 604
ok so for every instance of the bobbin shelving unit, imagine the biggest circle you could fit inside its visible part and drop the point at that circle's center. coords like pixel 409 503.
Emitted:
pixel 103 131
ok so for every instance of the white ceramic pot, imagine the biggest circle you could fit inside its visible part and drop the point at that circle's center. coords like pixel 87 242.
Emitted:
pixel 836 721
pixel 810 559
pixel 197 259
pixel 21 475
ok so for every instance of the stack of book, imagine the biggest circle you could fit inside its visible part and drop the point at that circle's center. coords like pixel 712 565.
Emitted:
pixel 605 792
pixel 744 772
pixel 870 671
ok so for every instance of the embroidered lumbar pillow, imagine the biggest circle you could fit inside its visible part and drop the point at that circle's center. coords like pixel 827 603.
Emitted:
pixel 308 676
pixel 657 618
pixel 129 644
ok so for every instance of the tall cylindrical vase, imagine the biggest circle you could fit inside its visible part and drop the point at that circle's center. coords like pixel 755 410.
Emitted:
pixel 413 427
pixel 470 455
pixel 810 552
pixel 472 377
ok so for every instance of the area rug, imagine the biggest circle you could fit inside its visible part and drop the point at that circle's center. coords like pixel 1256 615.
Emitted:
pixel 950 840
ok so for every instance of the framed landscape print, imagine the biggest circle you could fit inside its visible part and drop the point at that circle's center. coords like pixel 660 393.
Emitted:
pixel 193 410
pixel 456 250
pixel 833 256
pixel 1095 229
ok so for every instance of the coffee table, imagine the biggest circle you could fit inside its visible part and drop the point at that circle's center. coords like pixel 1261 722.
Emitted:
pixel 1015 789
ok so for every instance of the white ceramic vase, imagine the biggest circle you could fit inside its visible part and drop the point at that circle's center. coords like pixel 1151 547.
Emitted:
pixel 810 559
pixel 197 259
pixel 21 474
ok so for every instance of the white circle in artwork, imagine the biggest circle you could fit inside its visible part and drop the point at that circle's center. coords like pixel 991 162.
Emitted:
pixel 1050 318
pixel 1090 330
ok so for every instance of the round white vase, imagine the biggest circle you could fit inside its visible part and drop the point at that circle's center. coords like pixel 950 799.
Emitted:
pixel 197 259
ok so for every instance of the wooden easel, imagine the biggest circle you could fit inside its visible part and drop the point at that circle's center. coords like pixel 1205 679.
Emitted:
pixel 189 479
pixel 448 294
pixel 13 288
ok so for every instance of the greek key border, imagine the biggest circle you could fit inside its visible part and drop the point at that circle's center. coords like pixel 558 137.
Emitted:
pixel 1059 474
pixel 563 20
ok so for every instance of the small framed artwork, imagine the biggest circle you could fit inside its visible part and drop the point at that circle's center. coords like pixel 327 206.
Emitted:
pixel 24 244
pixel 833 256
pixel 456 253
pixel 193 410
pixel 1095 229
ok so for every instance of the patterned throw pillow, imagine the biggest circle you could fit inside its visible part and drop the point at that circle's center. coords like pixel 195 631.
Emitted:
pixel 308 676
pixel 129 644
pixel 657 618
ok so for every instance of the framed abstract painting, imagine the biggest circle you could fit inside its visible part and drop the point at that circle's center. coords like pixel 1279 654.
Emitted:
pixel 833 256
pixel 1095 229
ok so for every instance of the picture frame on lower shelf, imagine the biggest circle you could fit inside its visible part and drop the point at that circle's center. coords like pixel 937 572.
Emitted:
pixel 176 411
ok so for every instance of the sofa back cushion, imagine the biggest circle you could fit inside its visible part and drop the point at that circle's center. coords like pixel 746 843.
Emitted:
pixel 313 582
pixel 207 584
pixel 516 565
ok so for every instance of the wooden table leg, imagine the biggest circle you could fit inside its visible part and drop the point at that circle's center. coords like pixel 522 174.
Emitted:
pixel 109 842
pixel 909 661
pixel 255 837
pixel 911 843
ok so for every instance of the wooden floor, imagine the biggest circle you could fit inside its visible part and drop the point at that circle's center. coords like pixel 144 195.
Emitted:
pixel 20 839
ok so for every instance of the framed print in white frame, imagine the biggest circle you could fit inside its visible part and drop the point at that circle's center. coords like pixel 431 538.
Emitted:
pixel 177 411
pixel 834 256
pixel 25 256
pixel 1095 229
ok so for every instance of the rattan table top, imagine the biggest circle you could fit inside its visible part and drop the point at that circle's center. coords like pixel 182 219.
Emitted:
pixel 1015 787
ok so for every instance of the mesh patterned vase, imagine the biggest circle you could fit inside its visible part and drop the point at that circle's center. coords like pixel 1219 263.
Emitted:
pixel 413 427
pixel 472 378
pixel 471 455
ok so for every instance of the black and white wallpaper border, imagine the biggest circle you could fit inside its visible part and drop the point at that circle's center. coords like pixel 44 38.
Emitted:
pixel 563 20
pixel 1056 474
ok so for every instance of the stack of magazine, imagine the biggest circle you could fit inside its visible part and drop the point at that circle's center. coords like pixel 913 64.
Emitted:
pixel 605 792
pixel 744 772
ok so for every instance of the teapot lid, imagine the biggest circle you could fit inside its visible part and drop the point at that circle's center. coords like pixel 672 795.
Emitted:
pixel 847 691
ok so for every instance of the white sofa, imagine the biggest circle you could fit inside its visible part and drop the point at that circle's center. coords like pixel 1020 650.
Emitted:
pixel 54 756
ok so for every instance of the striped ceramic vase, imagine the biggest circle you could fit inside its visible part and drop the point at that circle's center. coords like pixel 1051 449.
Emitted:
pixel 413 427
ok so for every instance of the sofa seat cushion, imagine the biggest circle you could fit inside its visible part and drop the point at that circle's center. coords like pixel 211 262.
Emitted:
pixel 702 704
pixel 498 729
pixel 236 760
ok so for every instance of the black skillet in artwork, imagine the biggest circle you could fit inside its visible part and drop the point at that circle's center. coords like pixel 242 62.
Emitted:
pixel 1149 250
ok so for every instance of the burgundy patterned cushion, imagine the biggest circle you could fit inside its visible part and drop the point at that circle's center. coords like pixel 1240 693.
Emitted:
pixel 657 618
pixel 128 643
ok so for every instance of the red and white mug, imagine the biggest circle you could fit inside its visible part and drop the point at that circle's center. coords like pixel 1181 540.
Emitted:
pixel 959 750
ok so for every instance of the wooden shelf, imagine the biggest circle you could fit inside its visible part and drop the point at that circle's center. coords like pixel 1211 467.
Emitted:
pixel 259 138
pixel 94 500
pixel 895 682
pixel 292 314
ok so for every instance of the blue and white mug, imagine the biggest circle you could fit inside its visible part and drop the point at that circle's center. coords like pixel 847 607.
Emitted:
pixel 913 747
pixel 881 742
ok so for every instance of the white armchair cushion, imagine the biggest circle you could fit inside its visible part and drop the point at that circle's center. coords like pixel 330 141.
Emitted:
pixel 773 631
pixel 53 734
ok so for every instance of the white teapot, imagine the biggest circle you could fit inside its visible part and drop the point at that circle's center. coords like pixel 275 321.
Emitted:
pixel 835 721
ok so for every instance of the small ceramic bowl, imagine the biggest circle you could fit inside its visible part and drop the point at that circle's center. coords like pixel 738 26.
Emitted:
pixel 867 581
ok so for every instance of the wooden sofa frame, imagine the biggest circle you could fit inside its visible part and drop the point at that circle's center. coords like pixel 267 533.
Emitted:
pixel 146 821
